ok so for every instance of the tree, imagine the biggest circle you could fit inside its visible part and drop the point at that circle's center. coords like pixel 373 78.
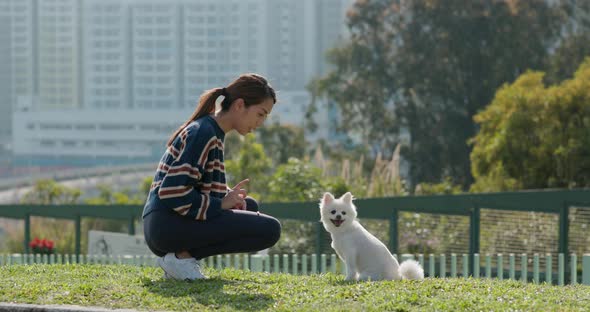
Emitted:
pixel 49 192
pixel 252 162
pixel 282 142
pixel 125 197
pixel 428 67
pixel 232 144
pixel 296 180
pixel 109 197
pixel 532 136
pixel 363 80
pixel 568 57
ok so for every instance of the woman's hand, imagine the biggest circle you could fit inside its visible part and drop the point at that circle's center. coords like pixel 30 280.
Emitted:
pixel 234 199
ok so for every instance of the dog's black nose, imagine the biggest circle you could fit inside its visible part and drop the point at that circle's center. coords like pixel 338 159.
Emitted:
pixel 338 217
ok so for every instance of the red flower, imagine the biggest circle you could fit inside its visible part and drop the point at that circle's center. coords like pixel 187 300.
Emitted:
pixel 44 246
pixel 34 243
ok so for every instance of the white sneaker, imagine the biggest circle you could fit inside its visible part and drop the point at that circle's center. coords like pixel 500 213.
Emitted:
pixel 180 269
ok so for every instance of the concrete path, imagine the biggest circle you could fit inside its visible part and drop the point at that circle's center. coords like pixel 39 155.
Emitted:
pixel 6 307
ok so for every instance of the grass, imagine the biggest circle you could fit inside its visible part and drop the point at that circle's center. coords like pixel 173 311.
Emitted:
pixel 143 288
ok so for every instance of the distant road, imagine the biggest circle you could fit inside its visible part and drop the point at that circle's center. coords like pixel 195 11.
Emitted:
pixel 85 179
pixel 71 174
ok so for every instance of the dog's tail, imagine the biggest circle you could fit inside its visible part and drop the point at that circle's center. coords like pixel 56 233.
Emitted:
pixel 411 270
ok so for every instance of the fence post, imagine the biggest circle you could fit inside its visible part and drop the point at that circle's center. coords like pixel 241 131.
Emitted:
pixel 563 238
pixel 586 269
pixel 256 263
pixel 524 268
pixel 132 225
pixel 431 262
pixel 500 267
pixel 465 266
pixel 453 265
pixel 275 264
pixel 78 236
pixel 548 269
pixel 474 228
pixel 476 265
pixel 27 232
pixel 574 269
pixel 319 228
pixel 294 264
pixel 536 268
pixel 512 263
pixel 488 266
pixel 393 232
pixel 560 269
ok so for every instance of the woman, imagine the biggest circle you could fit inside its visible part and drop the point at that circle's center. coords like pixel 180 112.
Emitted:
pixel 190 213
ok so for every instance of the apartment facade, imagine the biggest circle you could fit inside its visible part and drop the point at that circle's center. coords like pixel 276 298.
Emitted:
pixel 95 61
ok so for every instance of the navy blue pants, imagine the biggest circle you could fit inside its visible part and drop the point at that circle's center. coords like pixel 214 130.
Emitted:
pixel 234 231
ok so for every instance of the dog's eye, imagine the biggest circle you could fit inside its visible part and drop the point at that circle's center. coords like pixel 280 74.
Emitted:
pixel 343 212
pixel 333 211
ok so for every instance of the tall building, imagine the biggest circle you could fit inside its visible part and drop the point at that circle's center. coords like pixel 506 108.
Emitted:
pixel 75 63
pixel 5 77
pixel 106 59
pixel 155 48
pixel 17 60
pixel 331 28
pixel 220 39
pixel 292 37
pixel 59 54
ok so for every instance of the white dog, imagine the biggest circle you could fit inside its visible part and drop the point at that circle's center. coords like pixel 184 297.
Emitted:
pixel 366 257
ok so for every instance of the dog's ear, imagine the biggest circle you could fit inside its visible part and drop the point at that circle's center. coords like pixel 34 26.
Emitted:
pixel 347 197
pixel 328 198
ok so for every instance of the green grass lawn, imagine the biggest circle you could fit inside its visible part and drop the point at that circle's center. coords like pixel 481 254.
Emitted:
pixel 143 288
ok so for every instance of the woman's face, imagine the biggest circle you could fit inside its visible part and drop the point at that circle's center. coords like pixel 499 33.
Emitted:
pixel 253 116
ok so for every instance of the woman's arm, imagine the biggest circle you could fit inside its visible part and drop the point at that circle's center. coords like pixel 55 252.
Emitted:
pixel 183 171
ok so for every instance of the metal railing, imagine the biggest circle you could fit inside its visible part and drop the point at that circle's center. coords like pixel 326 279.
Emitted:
pixel 556 202
pixel 435 266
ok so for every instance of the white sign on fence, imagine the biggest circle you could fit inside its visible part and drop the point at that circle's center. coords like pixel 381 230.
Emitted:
pixel 112 243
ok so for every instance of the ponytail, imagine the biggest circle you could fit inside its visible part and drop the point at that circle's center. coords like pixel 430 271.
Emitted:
pixel 206 106
pixel 251 88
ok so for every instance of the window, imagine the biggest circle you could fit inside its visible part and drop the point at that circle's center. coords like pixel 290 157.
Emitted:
pixel 85 127
pixel 69 143
pixel 47 143
pixel 116 127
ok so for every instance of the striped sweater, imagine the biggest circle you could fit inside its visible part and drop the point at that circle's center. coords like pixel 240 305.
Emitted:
pixel 190 178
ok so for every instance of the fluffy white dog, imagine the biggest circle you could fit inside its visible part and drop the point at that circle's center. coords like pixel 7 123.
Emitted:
pixel 366 257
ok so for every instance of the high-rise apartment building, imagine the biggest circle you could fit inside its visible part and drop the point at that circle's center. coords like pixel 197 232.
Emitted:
pixel 106 59
pixel 134 58
pixel 58 49
pixel 155 49
pixel 220 39
pixel 331 28
pixel 17 60
pixel 5 77
pixel 292 34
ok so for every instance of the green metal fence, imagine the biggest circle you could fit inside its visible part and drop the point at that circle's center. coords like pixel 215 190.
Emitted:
pixel 554 203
